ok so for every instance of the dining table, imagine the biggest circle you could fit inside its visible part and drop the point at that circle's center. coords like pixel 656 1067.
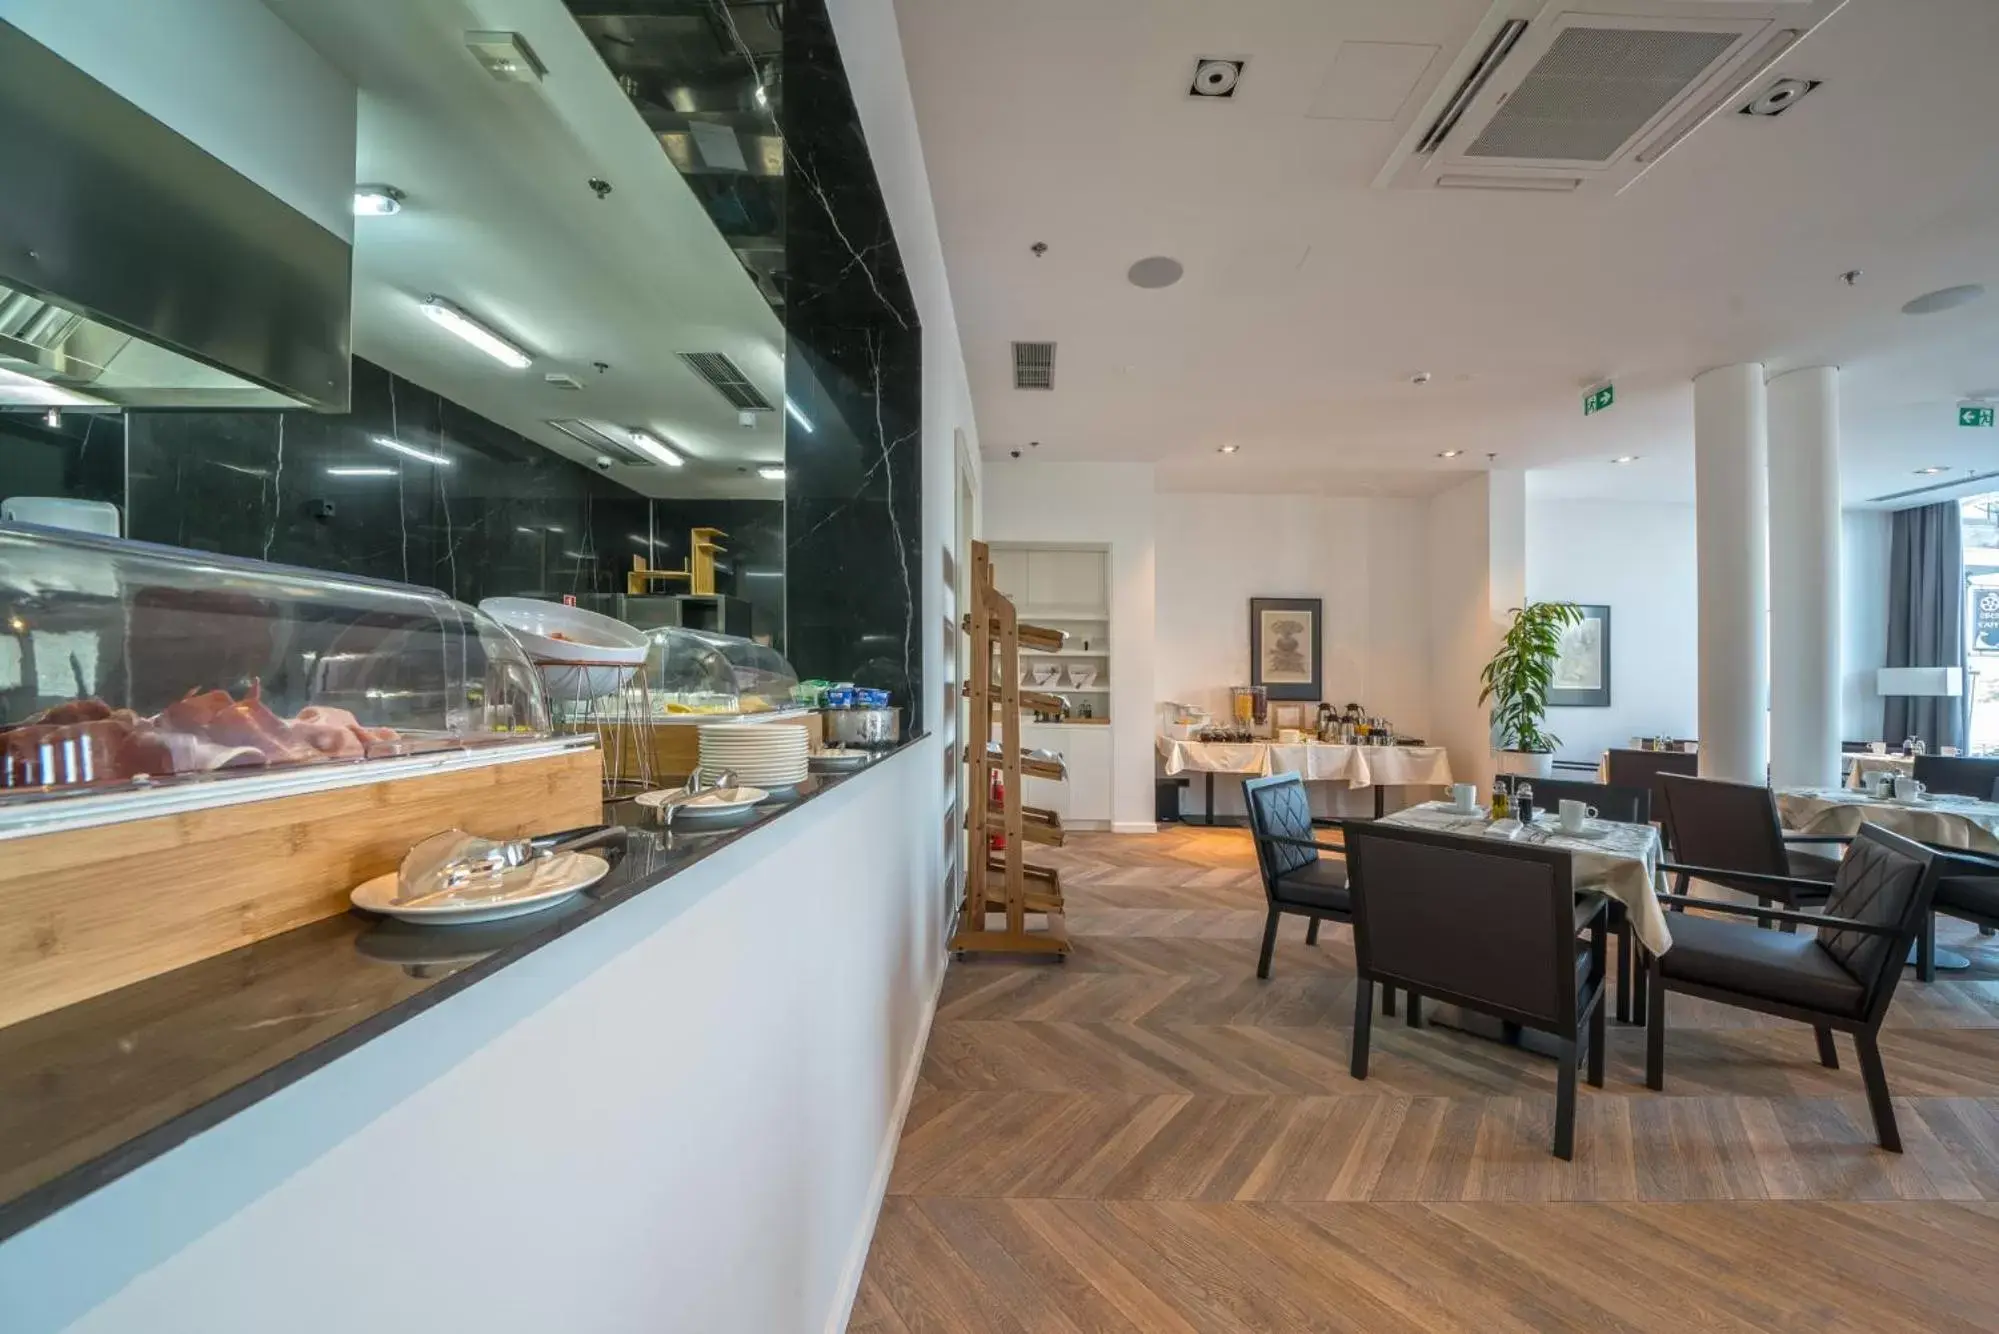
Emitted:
pixel 1376 767
pixel 1867 762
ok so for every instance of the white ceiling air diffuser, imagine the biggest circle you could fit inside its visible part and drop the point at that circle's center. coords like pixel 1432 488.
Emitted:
pixel 1551 97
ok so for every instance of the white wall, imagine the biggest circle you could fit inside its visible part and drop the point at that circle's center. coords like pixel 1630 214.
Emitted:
pixel 228 75
pixel 1365 559
pixel 1109 504
pixel 1638 559
pixel 679 1117
pixel 1864 541
pixel 1477 573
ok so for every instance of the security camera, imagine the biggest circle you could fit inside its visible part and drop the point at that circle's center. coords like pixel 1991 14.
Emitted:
pixel 604 462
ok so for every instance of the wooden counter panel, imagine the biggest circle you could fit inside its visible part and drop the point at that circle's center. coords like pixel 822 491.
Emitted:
pixel 88 911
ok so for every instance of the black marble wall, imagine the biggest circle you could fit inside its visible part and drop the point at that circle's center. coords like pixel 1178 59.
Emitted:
pixel 752 569
pixel 500 516
pixel 81 458
pixel 853 370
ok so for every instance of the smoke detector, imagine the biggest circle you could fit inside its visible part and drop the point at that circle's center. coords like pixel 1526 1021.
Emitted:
pixel 1216 76
pixel 1779 97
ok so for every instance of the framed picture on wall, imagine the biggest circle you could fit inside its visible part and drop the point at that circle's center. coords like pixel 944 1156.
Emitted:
pixel 1582 667
pixel 1285 647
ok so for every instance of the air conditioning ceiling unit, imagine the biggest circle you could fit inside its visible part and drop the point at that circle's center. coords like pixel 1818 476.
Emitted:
pixel 1562 96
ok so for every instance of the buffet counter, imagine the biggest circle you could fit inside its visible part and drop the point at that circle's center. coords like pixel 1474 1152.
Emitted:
pixel 1376 767
pixel 92 1090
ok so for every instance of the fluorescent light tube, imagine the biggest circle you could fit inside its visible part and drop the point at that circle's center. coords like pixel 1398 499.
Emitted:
pixel 771 472
pixel 388 442
pixel 652 447
pixel 475 333
pixel 798 416
pixel 360 472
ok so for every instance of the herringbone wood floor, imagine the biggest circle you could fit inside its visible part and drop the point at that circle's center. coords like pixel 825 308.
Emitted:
pixel 1147 1138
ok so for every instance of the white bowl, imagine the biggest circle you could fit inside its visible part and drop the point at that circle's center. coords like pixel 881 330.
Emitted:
pixel 585 637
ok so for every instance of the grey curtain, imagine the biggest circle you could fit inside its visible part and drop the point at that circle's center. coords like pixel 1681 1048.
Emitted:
pixel 1926 619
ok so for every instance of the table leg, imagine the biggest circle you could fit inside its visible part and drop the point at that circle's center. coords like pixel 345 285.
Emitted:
pixel 1210 810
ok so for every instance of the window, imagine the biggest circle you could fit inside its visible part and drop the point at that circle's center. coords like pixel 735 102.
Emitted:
pixel 1981 615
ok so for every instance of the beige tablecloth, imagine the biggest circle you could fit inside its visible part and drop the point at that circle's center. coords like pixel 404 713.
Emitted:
pixel 1947 821
pixel 1624 863
pixel 1866 764
pixel 1314 761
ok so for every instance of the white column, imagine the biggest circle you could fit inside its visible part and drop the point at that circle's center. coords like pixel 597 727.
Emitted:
pixel 1731 517
pixel 1804 578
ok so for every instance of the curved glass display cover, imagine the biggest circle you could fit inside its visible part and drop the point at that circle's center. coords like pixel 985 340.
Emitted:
pixel 763 679
pixel 687 674
pixel 125 664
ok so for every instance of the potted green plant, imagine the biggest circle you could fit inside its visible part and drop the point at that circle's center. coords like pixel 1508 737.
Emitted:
pixel 1516 684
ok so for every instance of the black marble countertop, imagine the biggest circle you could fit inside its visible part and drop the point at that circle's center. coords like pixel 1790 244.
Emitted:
pixel 91 1091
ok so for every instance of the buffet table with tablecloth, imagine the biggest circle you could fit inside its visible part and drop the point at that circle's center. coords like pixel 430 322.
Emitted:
pixel 1377 767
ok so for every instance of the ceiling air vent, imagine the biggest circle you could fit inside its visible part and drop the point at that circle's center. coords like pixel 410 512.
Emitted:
pixel 1589 94
pixel 1034 365
pixel 600 441
pixel 729 381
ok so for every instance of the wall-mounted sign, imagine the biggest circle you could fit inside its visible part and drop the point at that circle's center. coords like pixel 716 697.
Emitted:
pixel 1596 400
pixel 1974 414
pixel 1985 620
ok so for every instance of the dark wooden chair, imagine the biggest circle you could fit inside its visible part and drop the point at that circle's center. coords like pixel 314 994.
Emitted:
pixel 1643 768
pixel 1296 879
pixel 1487 926
pixel 1626 805
pixel 1733 829
pixel 1967 889
pixel 1959 775
pixel 1840 979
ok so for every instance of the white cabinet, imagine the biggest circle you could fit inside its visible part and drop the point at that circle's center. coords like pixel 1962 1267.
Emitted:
pixel 1085 799
pixel 1066 580
pixel 1010 573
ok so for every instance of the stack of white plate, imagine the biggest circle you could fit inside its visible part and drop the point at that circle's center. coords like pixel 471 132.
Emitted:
pixel 766 755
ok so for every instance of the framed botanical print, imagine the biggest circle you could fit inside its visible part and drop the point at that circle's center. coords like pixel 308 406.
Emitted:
pixel 1286 648
pixel 1582 666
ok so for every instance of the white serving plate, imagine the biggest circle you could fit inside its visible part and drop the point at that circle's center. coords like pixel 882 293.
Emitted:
pixel 592 638
pixel 840 761
pixel 711 804
pixel 540 884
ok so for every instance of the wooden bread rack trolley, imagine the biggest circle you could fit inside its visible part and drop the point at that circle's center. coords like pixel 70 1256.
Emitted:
pixel 1005 882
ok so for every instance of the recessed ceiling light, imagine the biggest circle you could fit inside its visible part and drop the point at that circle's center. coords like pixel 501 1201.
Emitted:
pixel 377 201
pixel 389 442
pixel 1944 298
pixel 1625 458
pixel 1215 76
pixel 1155 271
pixel 771 472
pixel 506 56
pixel 645 442
pixel 1228 449
pixel 1779 97
pixel 475 333
pixel 1420 377
pixel 360 472
pixel 1931 471
pixel 1450 453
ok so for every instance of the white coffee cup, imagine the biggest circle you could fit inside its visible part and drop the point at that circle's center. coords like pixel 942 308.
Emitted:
pixel 1877 748
pixel 1907 788
pixel 1878 781
pixel 1464 797
pixel 1574 815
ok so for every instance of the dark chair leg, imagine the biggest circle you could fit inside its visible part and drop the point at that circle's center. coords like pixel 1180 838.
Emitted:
pixel 1565 1104
pixel 1828 1054
pixel 1624 987
pixel 1312 932
pixel 1926 949
pixel 1415 1019
pixel 1655 1027
pixel 1878 1100
pixel 1363 1022
pixel 1596 1039
pixel 1763 923
pixel 1388 1000
pixel 1641 971
pixel 1269 942
pixel 1680 883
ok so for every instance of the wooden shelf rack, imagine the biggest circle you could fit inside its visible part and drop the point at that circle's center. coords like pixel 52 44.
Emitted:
pixel 1004 883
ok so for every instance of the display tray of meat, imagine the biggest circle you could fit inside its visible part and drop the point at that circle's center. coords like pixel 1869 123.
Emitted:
pixel 87 742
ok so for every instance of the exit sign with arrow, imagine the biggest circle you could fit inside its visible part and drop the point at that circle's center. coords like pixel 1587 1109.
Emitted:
pixel 1974 414
pixel 1596 400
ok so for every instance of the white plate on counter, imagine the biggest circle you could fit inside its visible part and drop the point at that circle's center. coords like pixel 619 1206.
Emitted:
pixel 540 884
pixel 713 804
pixel 840 761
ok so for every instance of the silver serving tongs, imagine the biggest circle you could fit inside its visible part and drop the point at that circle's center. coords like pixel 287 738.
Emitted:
pixel 455 862
pixel 698 782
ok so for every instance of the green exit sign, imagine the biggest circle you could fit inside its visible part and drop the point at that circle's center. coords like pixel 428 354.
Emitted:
pixel 1974 414
pixel 1596 400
